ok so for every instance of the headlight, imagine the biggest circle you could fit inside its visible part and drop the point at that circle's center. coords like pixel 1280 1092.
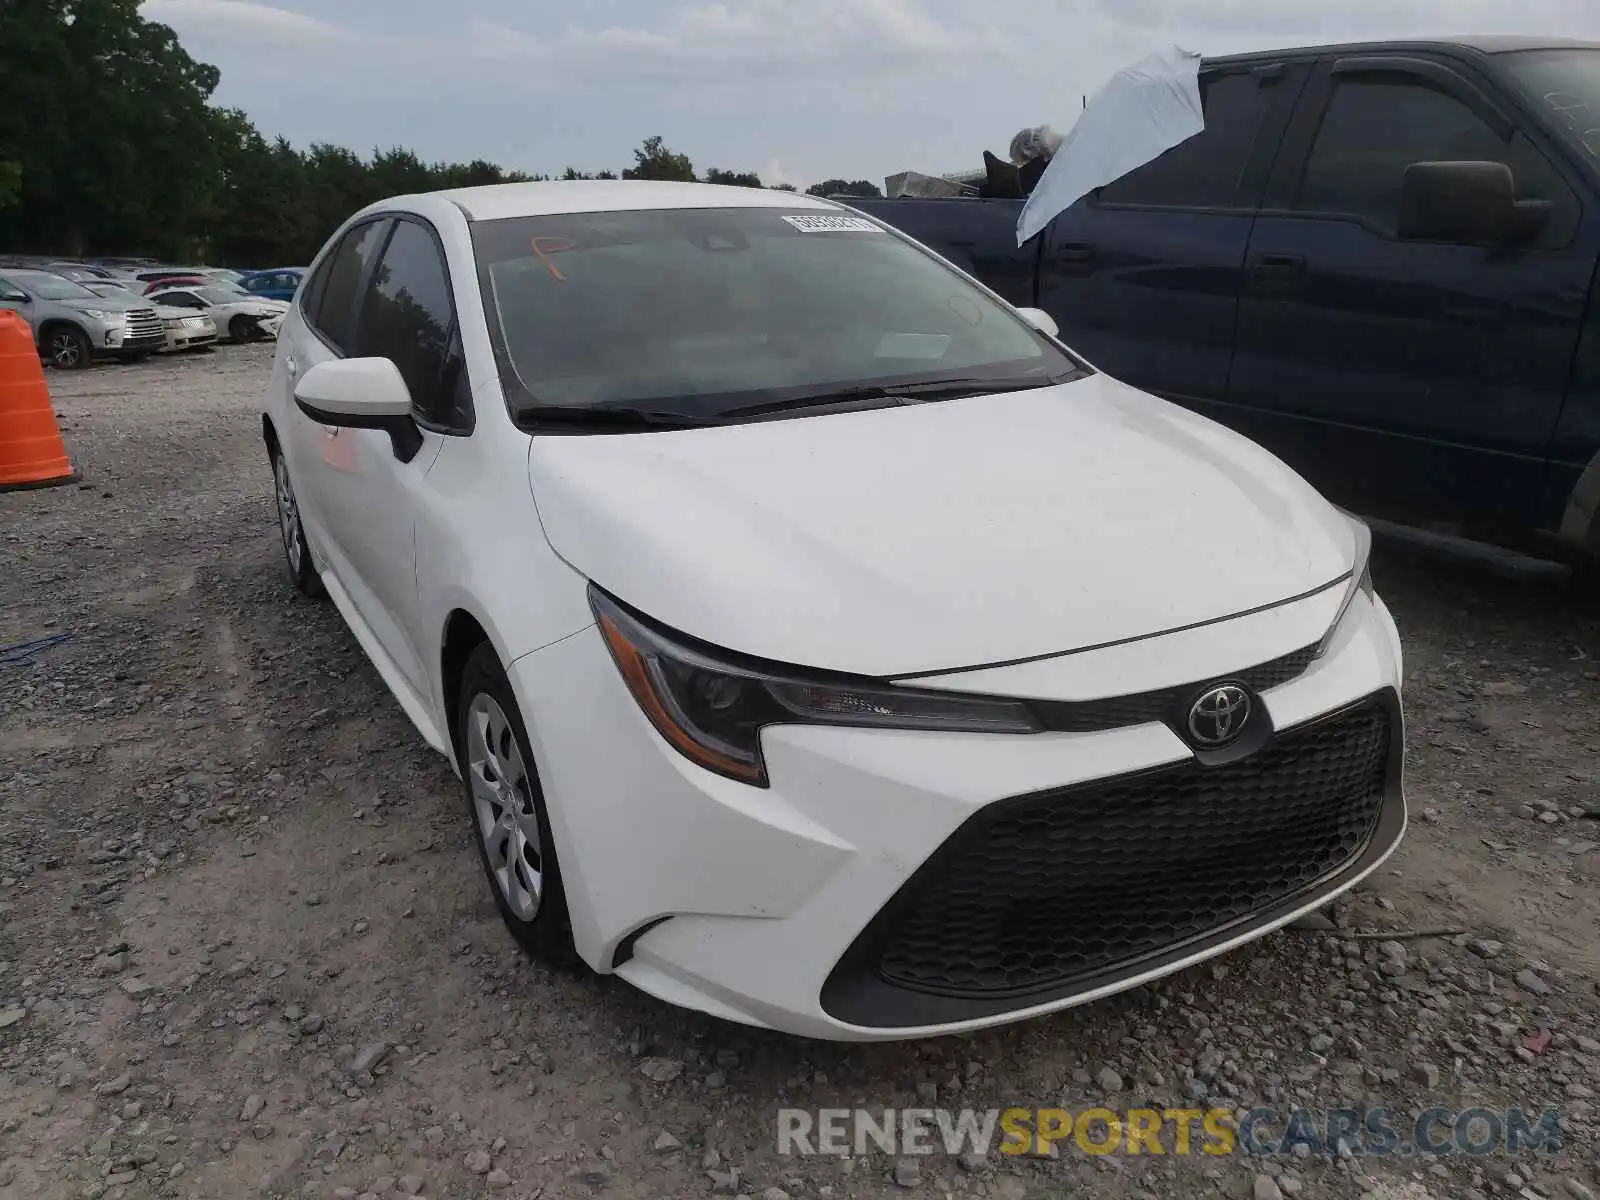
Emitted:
pixel 99 314
pixel 1360 579
pixel 172 322
pixel 712 705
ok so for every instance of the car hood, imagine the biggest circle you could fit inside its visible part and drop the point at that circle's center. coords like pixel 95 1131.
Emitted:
pixel 943 535
pixel 106 303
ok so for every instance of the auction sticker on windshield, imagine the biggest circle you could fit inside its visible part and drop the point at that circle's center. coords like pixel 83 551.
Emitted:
pixel 830 224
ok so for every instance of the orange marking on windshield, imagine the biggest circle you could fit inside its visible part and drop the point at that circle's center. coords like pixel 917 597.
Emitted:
pixel 545 246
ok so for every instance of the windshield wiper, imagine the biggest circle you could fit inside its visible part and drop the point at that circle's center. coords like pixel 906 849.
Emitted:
pixel 890 394
pixel 615 418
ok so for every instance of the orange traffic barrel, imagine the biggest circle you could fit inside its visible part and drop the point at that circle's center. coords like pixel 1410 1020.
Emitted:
pixel 32 453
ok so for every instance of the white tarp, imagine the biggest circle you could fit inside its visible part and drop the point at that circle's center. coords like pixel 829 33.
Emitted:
pixel 1142 112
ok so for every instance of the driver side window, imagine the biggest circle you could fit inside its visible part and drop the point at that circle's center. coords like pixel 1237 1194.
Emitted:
pixel 1375 127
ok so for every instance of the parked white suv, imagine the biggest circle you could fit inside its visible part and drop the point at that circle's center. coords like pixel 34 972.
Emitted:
pixel 821 643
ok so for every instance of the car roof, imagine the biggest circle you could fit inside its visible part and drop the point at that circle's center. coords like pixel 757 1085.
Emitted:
pixel 1472 43
pixel 495 201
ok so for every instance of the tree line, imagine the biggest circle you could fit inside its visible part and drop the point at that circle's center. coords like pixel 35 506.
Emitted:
pixel 109 144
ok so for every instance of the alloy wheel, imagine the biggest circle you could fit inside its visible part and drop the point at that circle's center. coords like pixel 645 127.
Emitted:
pixel 502 802
pixel 288 515
pixel 65 352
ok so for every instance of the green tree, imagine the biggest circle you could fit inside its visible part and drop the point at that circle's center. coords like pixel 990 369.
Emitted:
pixel 844 187
pixel 733 178
pixel 572 173
pixel 784 187
pixel 107 116
pixel 654 161
pixel 10 183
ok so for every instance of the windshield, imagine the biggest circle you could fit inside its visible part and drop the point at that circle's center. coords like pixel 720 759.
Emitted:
pixel 702 312
pixel 1565 83
pixel 50 287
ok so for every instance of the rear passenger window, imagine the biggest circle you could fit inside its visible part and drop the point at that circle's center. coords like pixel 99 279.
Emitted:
pixel 331 307
pixel 1204 171
pixel 408 318
pixel 1374 128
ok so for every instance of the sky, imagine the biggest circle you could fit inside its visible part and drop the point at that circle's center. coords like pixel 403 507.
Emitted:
pixel 797 90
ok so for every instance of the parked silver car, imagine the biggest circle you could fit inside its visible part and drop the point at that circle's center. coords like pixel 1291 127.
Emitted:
pixel 72 325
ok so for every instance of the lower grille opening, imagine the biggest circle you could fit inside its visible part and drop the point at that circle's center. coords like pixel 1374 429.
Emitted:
pixel 1039 893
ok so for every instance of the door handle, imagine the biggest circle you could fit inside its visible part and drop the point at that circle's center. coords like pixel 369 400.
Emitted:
pixel 290 365
pixel 1074 252
pixel 1279 267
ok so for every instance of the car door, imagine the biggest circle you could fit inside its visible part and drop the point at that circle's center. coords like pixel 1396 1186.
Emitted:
pixel 1144 276
pixel 406 315
pixel 1418 380
pixel 322 328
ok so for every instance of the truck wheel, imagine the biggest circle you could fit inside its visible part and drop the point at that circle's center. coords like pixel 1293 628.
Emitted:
pixel 66 348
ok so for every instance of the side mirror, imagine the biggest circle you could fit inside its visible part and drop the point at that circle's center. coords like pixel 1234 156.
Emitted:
pixel 14 297
pixel 1040 320
pixel 1472 202
pixel 361 393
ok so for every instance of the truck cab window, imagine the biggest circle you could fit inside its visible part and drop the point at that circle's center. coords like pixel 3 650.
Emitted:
pixel 1374 128
pixel 1204 171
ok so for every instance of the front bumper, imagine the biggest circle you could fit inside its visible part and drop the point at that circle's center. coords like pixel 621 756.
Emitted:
pixel 774 907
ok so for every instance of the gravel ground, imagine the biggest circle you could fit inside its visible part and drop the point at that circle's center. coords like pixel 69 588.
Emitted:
pixel 247 950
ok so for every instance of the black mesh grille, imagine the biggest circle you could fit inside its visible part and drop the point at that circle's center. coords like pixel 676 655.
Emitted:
pixel 1066 884
pixel 1116 712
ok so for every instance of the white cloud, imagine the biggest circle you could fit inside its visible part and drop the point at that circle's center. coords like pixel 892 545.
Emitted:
pixel 242 21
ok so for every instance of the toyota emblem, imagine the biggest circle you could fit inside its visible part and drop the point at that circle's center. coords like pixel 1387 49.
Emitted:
pixel 1218 716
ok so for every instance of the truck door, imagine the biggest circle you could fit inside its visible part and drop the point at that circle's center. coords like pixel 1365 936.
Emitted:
pixel 1418 380
pixel 1144 276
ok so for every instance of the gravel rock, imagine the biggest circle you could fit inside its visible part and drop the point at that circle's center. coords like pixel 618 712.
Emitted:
pixel 1265 1187
pixel 1425 1073
pixel 908 1172
pixel 252 1108
pixel 1108 1080
pixel 497 1179
pixel 478 1161
pixel 368 1057
pixel 661 1070
pixel 665 1143
pixel 1531 983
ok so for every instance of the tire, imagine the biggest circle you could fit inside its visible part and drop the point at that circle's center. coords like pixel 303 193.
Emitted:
pixel 242 329
pixel 67 348
pixel 296 553
pixel 507 811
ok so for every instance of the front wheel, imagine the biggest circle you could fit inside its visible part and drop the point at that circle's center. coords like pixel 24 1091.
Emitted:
pixel 67 349
pixel 301 569
pixel 508 812
pixel 243 329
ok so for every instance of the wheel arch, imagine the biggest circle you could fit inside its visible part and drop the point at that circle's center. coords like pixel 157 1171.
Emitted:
pixel 463 633
pixel 1580 524
pixel 52 323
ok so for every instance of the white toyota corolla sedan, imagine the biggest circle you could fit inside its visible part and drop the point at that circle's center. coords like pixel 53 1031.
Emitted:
pixel 821 643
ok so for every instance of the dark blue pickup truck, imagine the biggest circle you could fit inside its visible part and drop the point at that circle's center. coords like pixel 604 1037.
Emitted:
pixel 1378 261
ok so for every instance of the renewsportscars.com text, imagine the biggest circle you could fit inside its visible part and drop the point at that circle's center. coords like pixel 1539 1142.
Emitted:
pixel 1048 1132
